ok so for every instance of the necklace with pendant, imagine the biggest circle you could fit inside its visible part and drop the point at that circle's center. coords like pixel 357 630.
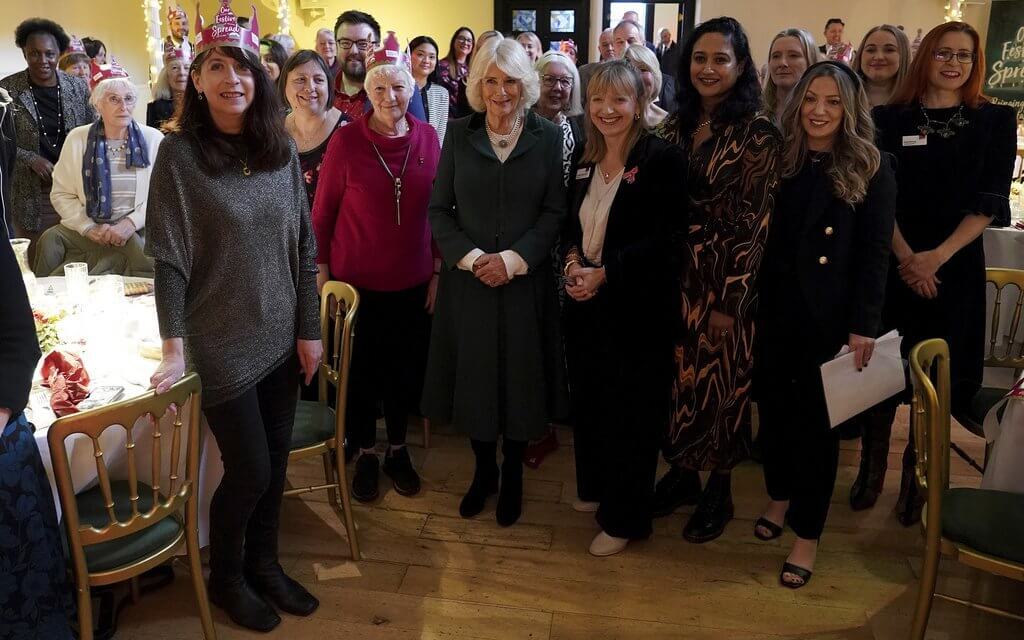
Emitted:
pixel 945 129
pixel 503 141
pixel 246 171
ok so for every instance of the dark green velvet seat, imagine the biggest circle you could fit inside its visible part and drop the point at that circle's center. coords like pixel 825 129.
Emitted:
pixel 990 522
pixel 314 423
pixel 123 551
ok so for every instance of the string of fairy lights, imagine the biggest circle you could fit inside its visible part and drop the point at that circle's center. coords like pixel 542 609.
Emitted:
pixel 151 13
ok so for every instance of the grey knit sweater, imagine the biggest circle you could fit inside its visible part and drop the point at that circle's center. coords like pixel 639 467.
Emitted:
pixel 235 266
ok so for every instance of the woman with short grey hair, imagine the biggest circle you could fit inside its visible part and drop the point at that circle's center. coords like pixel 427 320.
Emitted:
pixel 495 367
pixel 101 185
pixel 644 61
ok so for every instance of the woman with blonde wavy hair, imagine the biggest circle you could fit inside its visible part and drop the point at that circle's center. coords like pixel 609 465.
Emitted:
pixel 822 287
pixel 791 52
pixel 882 61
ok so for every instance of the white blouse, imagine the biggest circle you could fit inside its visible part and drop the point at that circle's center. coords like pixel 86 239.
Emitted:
pixel 594 214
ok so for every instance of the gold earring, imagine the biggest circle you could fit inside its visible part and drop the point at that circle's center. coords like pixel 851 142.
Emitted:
pixel 636 116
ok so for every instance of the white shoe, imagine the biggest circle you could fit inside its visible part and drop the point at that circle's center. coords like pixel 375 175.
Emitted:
pixel 606 545
pixel 585 507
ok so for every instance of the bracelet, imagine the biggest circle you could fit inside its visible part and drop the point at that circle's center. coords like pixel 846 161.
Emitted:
pixel 565 269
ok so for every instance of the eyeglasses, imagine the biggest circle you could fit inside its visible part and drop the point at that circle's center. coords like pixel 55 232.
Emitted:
pixel 118 101
pixel 945 55
pixel 464 40
pixel 551 81
pixel 346 45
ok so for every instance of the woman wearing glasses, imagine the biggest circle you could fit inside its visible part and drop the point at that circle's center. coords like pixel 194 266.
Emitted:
pixel 955 152
pixel 454 69
pixel 102 210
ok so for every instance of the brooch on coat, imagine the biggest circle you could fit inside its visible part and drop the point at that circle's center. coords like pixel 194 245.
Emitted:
pixel 630 176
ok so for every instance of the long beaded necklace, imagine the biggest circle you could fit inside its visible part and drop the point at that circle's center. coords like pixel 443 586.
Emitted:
pixel 55 141
pixel 940 128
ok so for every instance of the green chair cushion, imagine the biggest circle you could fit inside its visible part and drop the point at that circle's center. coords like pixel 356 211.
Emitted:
pixel 129 549
pixel 985 399
pixel 314 423
pixel 991 522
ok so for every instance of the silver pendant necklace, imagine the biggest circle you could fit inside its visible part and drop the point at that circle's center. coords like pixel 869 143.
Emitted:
pixel 503 141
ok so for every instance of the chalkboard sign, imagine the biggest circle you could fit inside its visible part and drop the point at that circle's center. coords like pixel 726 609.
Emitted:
pixel 1004 54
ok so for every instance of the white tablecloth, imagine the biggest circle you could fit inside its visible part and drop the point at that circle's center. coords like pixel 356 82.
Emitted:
pixel 109 339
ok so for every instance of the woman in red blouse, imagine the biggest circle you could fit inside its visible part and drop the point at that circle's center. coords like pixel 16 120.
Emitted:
pixel 370 220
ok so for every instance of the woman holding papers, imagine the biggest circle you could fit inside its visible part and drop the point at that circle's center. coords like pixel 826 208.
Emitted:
pixel 822 287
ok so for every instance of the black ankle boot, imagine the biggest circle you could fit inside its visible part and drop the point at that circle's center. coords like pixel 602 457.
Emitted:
pixel 242 604
pixel 676 488
pixel 510 499
pixel 874 457
pixel 284 593
pixel 910 501
pixel 485 479
pixel 713 512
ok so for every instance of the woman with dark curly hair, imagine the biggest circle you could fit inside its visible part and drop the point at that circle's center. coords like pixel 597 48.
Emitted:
pixel 732 179
pixel 50 104
pixel 96 50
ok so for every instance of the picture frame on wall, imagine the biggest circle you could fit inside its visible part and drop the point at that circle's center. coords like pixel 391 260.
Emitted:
pixel 563 21
pixel 524 20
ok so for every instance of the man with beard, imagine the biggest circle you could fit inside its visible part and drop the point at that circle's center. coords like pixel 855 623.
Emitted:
pixel 177 25
pixel 357 34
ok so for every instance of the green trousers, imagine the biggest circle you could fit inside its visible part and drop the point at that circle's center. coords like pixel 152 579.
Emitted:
pixel 59 245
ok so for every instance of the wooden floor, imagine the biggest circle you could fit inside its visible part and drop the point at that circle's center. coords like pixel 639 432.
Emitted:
pixel 427 573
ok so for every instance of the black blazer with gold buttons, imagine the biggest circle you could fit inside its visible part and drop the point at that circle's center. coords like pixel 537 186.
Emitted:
pixel 838 253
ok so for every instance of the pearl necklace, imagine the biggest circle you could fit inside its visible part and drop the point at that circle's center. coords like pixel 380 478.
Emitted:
pixel 55 142
pixel 503 141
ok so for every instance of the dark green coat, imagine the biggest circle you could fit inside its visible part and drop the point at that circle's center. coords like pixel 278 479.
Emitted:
pixel 496 364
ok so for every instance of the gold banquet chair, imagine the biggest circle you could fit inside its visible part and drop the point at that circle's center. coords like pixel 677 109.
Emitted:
pixel 122 528
pixel 999 355
pixel 319 428
pixel 980 528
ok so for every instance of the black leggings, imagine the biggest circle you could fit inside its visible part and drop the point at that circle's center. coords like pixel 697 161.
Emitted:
pixel 388 358
pixel 254 433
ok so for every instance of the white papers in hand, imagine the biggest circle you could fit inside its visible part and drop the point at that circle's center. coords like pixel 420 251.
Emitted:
pixel 849 392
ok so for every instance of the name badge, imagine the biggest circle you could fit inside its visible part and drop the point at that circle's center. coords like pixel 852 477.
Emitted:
pixel 583 174
pixel 915 141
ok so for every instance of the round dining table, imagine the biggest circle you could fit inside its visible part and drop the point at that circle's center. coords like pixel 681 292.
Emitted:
pixel 118 341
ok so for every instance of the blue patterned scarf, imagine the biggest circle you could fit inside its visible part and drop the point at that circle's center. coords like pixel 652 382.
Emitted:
pixel 96 168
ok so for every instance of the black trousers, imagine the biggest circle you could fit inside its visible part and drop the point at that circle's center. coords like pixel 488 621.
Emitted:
pixel 389 353
pixel 800 450
pixel 621 407
pixel 253 432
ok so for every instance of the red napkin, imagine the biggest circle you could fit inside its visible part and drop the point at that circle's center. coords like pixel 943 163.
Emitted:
pixel 68 381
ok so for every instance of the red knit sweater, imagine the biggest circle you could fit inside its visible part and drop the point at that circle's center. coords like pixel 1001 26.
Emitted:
pixel 354 210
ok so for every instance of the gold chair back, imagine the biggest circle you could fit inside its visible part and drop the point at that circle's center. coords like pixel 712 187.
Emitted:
pixel 339 306
pixel 169 496
pixel 930 415
pixel 1011 354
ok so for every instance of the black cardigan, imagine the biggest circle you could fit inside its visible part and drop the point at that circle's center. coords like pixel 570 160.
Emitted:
pixel 19 350
pixel 842 256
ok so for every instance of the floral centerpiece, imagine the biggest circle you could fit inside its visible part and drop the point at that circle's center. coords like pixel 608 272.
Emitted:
pixel 46 329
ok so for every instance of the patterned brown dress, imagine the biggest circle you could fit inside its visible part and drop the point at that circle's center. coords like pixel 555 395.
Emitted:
pixel 732 181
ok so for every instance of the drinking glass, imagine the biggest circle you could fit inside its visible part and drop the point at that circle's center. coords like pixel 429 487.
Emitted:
pixel 76 281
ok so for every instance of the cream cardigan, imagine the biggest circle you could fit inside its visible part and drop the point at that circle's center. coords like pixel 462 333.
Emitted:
pixel 68 193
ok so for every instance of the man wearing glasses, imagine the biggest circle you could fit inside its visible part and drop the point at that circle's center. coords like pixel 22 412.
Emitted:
pixel 357 33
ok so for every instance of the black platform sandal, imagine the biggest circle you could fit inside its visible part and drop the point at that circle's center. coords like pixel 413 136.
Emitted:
pixel 799 572
pixel 774 529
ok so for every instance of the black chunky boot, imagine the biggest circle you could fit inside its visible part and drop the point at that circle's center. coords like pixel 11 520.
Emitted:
pixel 510 499
pixel 676 488
pixel 242 604
pixel 286 594
pixel 485 479
pixel 874 456
pixel 713 512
